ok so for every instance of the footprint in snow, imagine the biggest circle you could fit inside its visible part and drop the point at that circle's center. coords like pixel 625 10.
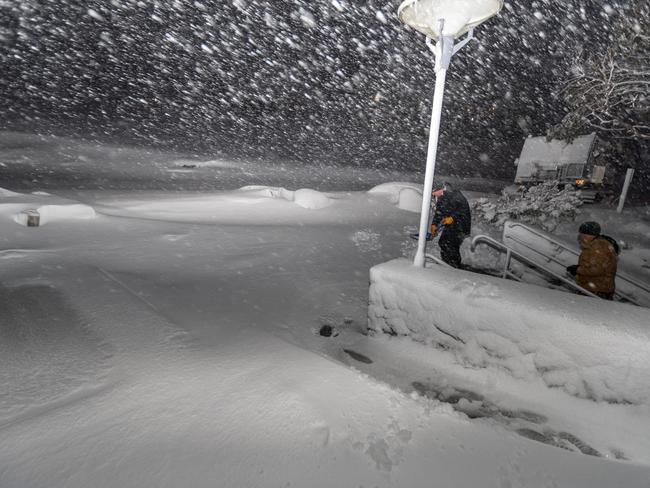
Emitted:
pixel 357 356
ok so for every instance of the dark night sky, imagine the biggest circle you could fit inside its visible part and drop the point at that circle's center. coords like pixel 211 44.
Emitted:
pixel 333 81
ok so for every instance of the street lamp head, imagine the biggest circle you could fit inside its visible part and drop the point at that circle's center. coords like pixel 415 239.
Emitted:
pixel 459 15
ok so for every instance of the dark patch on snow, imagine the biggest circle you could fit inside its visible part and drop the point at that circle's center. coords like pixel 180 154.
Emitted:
pixel 476 406
pixel 582 447
pixel 330 324
pixel 328 331
pixel 455 395
pixel 357 356
pixel 562 440
pixel 618 454
pixel 446 394
pixel 449 334
pixel 526 415
pixel 533 435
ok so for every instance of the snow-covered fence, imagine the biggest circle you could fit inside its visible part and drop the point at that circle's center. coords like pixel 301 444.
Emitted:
pixel 591 348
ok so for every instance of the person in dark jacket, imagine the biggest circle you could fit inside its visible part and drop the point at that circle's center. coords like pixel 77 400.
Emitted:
pixel 453 218
pixel 596 268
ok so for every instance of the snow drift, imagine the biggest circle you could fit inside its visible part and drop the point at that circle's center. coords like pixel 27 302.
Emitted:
pixel 304 197
pixel 590 348
pixel 406 196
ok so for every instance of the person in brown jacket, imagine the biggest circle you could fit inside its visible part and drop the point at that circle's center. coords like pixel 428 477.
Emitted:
pixel 596 268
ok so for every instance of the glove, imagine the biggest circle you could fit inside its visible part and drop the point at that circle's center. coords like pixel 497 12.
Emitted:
pixel 572 270
pixel 447 221
pixel 417 236
pixel 434 229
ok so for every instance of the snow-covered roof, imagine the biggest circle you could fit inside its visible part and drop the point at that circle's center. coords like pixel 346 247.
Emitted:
pixel 539 150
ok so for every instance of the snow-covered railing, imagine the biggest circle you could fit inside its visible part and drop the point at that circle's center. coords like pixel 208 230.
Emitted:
pixel 512 254
pixel 624 284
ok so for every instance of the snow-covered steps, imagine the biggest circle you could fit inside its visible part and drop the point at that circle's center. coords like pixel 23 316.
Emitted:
pixel 555 255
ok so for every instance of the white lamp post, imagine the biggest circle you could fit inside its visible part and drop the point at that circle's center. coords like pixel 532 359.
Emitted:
pixel 442 21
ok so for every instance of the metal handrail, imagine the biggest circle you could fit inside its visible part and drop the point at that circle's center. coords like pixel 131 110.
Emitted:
pixel 542 235
pixel 510 254
pixel 436 260
pixel 618 293
pixel 619 274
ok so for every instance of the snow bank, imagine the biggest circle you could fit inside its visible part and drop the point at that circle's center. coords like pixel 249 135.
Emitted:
pixel 53 213
pixel 268 192
pixel 590 348
pixel 406 196
pixel 8 193
pixel 305 197
pixel 311 199
pixel 410 199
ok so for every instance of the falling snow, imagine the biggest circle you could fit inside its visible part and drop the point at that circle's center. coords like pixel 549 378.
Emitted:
pixel 295 80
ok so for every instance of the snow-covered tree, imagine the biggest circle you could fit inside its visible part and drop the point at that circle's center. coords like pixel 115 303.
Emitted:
pixel 610 91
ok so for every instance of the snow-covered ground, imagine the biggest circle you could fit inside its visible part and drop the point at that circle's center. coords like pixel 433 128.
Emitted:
pixel 170 338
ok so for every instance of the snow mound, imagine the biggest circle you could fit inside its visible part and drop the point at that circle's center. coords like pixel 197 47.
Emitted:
pixel 305 197
pixel 410 199
pixel 268 192
pixel 407 196
pixel 53 213
pixel 394 188
pixel 311 199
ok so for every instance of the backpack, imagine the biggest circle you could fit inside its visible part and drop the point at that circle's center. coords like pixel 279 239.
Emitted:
pixel 613 242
